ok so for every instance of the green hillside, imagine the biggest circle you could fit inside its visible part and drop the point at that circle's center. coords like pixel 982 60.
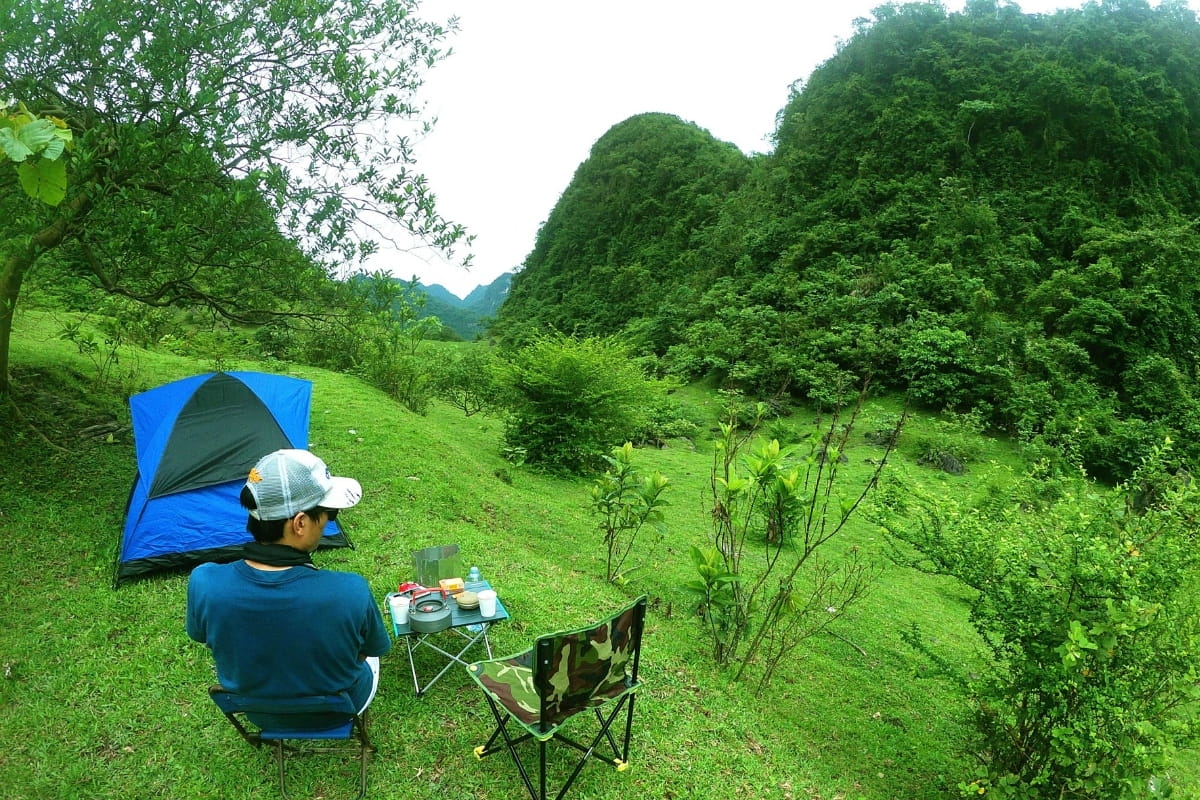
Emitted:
pixel 988 210
pixel 617 244
pixel 104 695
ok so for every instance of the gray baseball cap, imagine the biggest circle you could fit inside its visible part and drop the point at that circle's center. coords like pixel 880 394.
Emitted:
pixel 287 482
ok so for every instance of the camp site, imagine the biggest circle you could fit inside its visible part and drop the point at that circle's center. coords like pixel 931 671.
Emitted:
pixel 856 464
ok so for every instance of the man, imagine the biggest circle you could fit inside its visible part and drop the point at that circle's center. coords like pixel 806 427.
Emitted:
pixel 277 626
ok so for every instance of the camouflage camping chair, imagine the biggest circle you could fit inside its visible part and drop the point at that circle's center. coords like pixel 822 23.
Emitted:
pixel 563 675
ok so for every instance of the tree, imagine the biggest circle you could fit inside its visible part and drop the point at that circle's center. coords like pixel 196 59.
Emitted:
pixel 626 501
pixel 766 584
pixel 204 130
pixel 570 400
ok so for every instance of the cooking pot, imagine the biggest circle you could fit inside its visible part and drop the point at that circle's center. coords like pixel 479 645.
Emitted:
pixel 430 611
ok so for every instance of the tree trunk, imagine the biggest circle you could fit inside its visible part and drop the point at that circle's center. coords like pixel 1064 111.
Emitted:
pixel 16 264
pixel 19 258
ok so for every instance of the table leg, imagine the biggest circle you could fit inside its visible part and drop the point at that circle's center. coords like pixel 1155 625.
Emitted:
pixel 452 658
pixel 412 664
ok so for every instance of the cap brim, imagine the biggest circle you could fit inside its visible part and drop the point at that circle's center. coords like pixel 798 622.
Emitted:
pixel 344 493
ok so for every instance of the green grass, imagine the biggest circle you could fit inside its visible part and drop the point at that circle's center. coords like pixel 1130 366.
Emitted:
pixel 103 695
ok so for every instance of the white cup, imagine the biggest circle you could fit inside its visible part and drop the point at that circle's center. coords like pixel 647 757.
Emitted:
pixel 399 606
pixel 487 603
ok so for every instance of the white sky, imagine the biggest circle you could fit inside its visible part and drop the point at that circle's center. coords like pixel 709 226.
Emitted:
pixel 532 84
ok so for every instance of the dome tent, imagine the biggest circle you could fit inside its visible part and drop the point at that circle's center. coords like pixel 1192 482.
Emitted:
pixel 195 441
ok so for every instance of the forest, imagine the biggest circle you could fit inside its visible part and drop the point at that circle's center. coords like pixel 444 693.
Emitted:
pixel 993 212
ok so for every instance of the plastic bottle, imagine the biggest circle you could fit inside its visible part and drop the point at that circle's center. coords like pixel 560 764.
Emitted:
pixel 474 583
pixel 474 579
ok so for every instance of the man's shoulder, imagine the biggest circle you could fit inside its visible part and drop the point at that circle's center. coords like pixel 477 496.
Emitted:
pixel 211 570
pixel 348 577
pixel 343 580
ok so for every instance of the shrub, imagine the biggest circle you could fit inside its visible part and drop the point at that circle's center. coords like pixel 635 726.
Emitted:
pixel 570 400
pixel 665 419
pixel 759 600
pixel 952 444
pixel 626 501
pixel 1091 608
pixel 467 380
pixel 938 362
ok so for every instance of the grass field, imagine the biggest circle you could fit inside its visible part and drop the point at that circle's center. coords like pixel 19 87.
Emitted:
pixel 103 695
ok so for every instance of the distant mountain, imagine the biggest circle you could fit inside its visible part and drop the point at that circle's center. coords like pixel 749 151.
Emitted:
pixel 466 317
pixel 441 294
pixel 488 299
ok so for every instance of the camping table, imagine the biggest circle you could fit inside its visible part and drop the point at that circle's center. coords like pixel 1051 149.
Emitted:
pixel 459 633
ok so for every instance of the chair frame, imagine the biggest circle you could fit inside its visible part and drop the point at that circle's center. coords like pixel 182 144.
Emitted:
pixel 235 706
pixel 619 758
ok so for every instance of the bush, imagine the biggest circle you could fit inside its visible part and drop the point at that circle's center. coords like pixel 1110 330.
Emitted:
pixel 939 365
pixel 665 419
pixel 571 400
pixel 1091 607
pixel 952 445
pixel 467 380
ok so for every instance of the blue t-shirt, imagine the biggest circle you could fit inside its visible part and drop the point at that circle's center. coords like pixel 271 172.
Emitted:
pixel 286 633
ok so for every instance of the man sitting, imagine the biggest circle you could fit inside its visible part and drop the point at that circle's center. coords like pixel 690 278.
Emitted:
pixel 277 626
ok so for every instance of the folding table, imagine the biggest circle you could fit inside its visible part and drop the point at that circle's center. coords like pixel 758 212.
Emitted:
pixel 467 628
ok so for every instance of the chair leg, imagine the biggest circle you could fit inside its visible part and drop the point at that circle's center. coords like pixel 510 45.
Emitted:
pixel 628 731
pixel 365 748
pixel 620 756
pixel 364 751
pixel 510 744
pixel 542 767
pixel 279 759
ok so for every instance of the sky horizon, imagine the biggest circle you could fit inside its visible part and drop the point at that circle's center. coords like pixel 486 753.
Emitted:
pixel 533 84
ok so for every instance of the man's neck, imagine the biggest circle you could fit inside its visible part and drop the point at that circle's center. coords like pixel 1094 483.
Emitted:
pixel 262 566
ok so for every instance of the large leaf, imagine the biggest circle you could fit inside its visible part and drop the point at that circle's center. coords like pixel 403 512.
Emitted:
pixel 13 147
pixel 37 135
pixel 44 180
pixel 54 148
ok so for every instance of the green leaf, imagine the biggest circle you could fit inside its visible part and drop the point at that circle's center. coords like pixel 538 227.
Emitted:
pixel 15 149
pixel 37 135
pixel 44 180
pixel 54 148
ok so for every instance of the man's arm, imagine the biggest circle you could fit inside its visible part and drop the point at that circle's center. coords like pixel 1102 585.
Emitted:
pixel 195 622
pixel 376 640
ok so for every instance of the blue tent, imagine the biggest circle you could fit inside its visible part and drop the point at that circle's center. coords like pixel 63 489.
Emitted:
pixel 196 440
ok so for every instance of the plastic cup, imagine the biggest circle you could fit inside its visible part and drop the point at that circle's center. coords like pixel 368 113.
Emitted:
pixel 487 603
pixel 399 603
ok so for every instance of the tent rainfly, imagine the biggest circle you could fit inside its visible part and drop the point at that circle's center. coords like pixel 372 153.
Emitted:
pixel 195 441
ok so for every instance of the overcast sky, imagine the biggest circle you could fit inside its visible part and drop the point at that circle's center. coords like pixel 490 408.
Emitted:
pixel 532 84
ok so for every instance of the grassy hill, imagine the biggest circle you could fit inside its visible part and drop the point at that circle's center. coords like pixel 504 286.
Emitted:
pixel 104 695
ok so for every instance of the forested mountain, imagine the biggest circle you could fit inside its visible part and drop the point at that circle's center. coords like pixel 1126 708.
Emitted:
pixel 466 318
pixel 487 299
pixel 991 210
pixel 620 243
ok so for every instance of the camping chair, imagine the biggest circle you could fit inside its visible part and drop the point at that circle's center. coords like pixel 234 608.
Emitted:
pixel 276 722
pixel 565 674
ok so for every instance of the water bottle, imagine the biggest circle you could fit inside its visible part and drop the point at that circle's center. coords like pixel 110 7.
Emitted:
pixel 474 583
